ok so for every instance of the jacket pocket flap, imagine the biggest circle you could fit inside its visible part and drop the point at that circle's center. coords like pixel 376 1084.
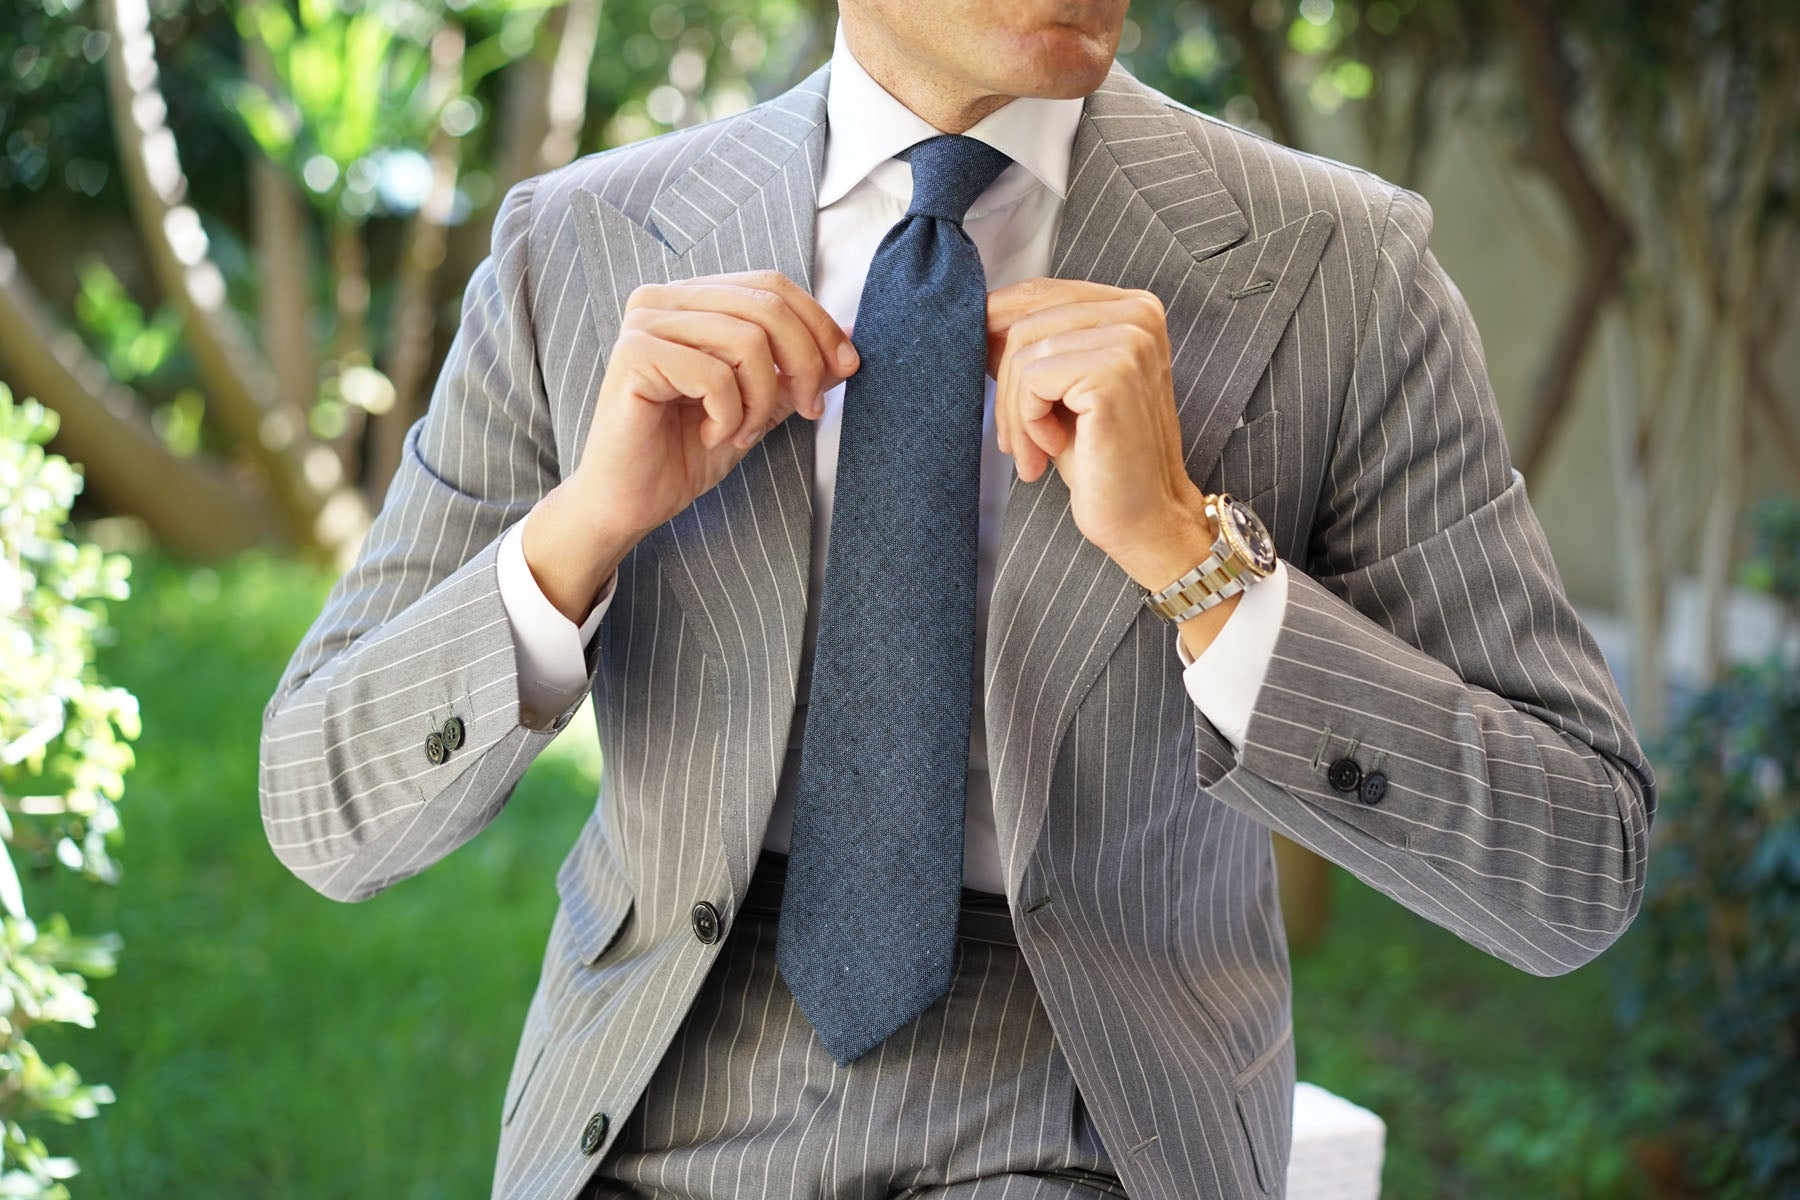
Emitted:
pixel 596 892
pixel 1264 1095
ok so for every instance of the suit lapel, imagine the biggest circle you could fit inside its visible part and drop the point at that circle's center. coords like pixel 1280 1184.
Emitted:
pixel 1145 210
pixel 738 559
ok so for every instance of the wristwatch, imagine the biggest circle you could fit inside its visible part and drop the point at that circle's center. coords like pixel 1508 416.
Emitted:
pixel 1242 555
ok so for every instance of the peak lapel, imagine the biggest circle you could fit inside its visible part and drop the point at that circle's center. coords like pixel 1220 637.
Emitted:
pixel 1145 210
pixel 738 558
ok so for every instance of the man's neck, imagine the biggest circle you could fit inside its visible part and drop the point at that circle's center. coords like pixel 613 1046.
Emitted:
pixel 944 103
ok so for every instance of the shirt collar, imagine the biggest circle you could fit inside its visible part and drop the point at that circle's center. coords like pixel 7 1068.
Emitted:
pixel 1037 134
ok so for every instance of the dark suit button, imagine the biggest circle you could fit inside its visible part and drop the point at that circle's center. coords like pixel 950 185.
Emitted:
pixel 1345 775
pixel 594 1133
pixel 453 733
pixel 1374 788
pixel 706 923
pixel 434 748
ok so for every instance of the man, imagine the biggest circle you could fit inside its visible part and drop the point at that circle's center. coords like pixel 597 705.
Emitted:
pixel 1027 942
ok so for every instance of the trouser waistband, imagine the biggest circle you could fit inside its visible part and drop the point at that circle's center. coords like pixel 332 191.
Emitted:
pixel 983 916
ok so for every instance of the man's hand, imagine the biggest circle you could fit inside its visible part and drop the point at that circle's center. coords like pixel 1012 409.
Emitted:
pixel 1083 381
pixel 701 370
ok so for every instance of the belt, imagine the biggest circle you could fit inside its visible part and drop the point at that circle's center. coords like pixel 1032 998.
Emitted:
pixel 982 917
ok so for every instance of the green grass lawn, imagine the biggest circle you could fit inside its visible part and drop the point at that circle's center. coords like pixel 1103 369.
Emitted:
pixel 265 1042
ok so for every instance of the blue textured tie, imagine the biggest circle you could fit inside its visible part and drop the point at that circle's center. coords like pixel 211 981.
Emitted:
pixel 874 877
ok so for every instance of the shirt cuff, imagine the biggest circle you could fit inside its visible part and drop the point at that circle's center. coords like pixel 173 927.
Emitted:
pixel 1224 681
pixel 551 648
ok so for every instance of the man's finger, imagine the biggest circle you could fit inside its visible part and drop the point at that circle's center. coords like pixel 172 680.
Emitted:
pixel 1078 322
pixel 743 345
pixel 1055 387
pixel 1005 306
pixel 839 358
pixel 1046 426
pixel 826 332
pixel 688 375
pixel 808 345
pixel 1064 323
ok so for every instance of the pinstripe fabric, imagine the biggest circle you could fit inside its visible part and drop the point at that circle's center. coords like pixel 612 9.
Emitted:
pixel 1426 630
pixel 974 1100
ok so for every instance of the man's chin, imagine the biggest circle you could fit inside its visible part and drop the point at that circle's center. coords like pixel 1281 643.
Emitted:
pixel 1070 84
pixel 1059 76
pixel 1065 62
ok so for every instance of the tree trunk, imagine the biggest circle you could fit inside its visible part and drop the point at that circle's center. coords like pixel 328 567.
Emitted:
pixel 1643 578
pixel 304 477
pixel 1767 403
pixel 524 116
pixel 413 321
pixel 282 230
pixel 543 110
pixel 192 506
pixel 350 300
pixel 1603 235
pixel 1769 324
pixel 1731 451
pixel 566 101
pixel 1262 69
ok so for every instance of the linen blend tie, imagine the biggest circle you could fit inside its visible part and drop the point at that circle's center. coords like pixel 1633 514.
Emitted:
pixel 867 932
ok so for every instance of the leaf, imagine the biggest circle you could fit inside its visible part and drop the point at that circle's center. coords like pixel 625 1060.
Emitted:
pixel 11 897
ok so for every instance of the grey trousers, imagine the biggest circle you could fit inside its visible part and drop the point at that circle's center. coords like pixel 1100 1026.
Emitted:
pixel 972 1101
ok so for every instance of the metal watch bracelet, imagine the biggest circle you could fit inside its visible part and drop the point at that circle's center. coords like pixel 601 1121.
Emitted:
pixel 1208 584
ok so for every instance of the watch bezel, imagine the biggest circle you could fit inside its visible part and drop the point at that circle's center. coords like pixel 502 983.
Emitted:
pixel 1235 543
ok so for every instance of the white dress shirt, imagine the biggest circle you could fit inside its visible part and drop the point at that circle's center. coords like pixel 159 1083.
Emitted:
pixel 864 191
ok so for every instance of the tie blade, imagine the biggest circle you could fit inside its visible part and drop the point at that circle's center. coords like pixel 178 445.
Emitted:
pixel 867 934
pixel 856 1001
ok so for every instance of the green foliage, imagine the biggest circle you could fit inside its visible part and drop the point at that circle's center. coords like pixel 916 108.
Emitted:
pixel 52 101
pixel 1722 974
pixel 350 86
pixel 1774 563
pixel 679 62
pixel 56 137
pixel 140 351
pixel 1494 1084
pixel 63 757
pixel 1329 52
pixel 132 345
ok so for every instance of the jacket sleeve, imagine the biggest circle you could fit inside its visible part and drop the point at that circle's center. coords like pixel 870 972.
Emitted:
pixel 415 634
pixel 1428 640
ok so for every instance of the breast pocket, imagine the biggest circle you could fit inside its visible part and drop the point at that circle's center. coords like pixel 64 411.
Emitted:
pixel 1248 463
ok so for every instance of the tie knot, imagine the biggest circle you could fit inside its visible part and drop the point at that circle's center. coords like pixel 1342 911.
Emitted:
pixel 949 171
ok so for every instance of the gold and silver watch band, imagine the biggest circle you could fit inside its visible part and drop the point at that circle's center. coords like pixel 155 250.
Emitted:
pixel 1209 583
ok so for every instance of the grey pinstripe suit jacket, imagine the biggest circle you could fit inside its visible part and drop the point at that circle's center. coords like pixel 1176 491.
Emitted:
pixel 1426 635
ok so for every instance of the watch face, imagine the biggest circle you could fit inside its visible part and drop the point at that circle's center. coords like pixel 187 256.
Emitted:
pixel 1247 535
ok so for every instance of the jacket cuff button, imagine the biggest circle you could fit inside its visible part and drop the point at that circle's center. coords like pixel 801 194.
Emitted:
pixel 1344 775
pixel 434 748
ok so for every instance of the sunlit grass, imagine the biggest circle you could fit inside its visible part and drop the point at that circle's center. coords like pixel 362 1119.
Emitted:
pixel 265 1041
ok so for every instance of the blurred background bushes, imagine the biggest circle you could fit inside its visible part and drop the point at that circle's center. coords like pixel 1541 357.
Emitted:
pixel 63 758
pixel 233 240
